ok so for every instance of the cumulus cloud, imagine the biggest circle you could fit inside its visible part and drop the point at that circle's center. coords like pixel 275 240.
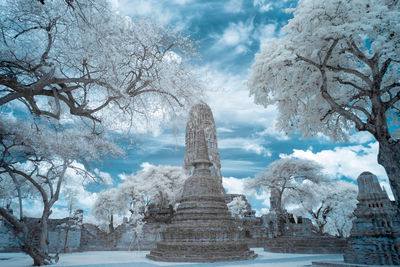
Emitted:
pixel 347 161
pixel 236 35
pixel 234 185
pixel 229 99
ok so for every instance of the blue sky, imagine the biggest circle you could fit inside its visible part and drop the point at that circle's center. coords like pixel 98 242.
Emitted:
pixel 229 33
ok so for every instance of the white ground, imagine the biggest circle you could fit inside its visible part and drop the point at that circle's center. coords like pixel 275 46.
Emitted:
pixel 138 259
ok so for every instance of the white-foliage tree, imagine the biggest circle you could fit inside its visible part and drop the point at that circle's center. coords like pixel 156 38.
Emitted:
pixel 152 187
pixel 237 207
pixel 159 186
pixel 36 161
pixel 285 176
pixel 85 60
pixel 336 70
pixel 330 206
pixel 106 207
pixel 81 68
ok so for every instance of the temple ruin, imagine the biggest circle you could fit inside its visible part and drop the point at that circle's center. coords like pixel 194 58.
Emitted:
pixel 202 230
pixel 290 235
pixel 375 235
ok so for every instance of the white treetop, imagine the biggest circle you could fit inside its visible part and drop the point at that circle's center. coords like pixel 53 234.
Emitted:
pixel 286 175
pixel 106 206
pixel 330 206
pixel 158 186
pixel 84 59
pixel 237 207
pixel 336 69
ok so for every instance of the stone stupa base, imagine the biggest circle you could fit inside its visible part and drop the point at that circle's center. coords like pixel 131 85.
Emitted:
pixel 201 252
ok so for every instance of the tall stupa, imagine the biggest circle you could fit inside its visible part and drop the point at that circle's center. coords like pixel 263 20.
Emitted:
pixel 202 229
pixel 201 118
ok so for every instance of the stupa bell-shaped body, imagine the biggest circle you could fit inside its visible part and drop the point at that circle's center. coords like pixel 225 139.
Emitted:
pixel 202 229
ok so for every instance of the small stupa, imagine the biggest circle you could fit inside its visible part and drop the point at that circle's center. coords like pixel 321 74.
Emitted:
pixel 202 230
pixel 375 235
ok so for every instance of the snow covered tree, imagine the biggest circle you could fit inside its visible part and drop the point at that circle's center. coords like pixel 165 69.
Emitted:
pixel 237 207
pixel 286 175
pixel 335 70
pixel 330 206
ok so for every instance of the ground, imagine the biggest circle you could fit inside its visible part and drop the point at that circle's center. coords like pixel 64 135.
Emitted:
pixel 138 259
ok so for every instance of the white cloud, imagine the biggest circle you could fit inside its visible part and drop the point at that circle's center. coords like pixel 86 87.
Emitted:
pixel 266 33
pixel 234 6
pixel 271 130
pixel 348 161
pixel 248 144
pixel 224 130
pixel 230 102
pixel 236 35
pixel 263 5
pixel 157 10
pixel 239 166
pixel 234 185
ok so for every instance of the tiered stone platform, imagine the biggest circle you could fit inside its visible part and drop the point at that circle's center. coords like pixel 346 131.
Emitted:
pixel 306 244
pixel 202 229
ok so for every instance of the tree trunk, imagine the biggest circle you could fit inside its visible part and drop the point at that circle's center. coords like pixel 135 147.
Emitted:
pixel 29 247
pixel 111 225
pixel 389 158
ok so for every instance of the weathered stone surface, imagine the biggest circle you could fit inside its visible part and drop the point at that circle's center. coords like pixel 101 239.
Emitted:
pixel 375 235
pixel 287 235
pixel 201 118
pixel 306 244
pixel 202 230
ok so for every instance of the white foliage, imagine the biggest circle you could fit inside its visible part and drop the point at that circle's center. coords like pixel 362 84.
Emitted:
pixel 159 186
pixel 288 175
pixel 287 71
pixel 330 206
pixel 237 207
pixel 89 61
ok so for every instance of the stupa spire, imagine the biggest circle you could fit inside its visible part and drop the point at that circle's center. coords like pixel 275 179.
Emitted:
pixel 202 159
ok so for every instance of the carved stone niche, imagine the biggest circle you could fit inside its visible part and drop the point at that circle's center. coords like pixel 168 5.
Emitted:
pixel 375 235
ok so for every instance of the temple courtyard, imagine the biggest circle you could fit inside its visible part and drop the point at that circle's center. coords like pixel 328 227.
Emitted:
pixel 138 259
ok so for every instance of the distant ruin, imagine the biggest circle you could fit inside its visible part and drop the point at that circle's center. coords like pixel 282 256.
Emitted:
pixel 290 235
